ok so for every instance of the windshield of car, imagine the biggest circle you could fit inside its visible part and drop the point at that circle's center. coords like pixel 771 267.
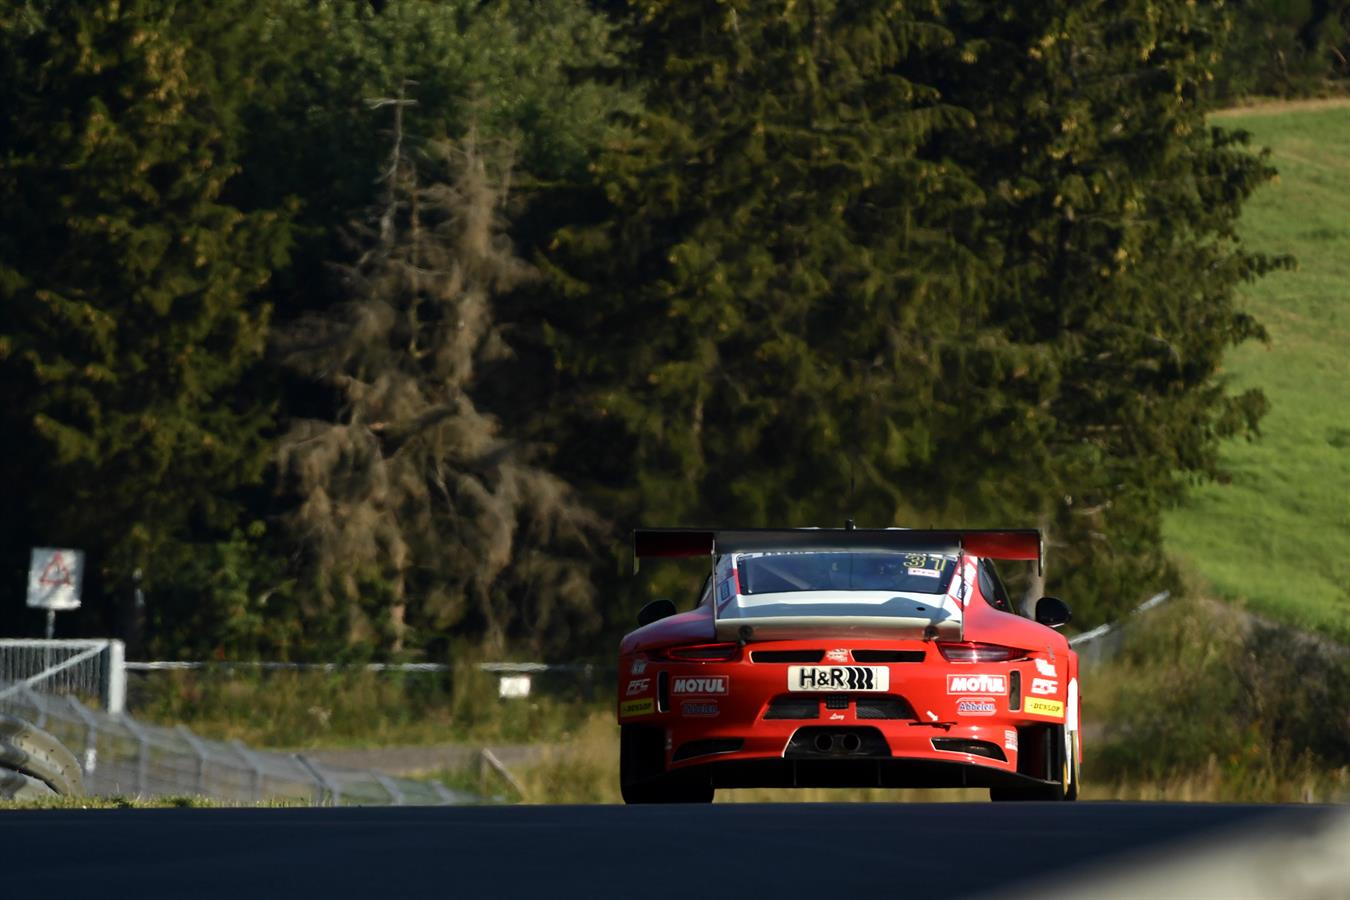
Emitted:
pixel 834 570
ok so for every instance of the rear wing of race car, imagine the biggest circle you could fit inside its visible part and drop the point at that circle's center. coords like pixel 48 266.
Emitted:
pixel 1004 543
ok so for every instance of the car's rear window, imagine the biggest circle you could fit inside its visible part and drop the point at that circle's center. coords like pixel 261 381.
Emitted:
pixel 834 570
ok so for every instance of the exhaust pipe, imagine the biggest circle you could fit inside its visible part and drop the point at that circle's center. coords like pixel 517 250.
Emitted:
pixel 824 743
pixel 852 743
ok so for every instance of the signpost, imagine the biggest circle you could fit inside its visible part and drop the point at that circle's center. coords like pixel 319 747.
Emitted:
pixel 54 580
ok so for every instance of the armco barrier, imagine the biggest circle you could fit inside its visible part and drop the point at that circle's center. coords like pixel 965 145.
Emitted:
pixel 121 756
pixel 33 752
pixel 1104 642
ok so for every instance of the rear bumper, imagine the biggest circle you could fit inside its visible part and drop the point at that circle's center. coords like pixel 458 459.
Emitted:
pixel 995 743
pixel 894 754
pixel 851 773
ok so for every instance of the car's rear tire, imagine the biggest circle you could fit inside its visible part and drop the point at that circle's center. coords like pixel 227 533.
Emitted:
pixel 1062 759
pixel 1071 748
pixel 642 770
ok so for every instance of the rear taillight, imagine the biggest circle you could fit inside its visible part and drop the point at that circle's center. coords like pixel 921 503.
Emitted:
pixel 979 653
pixel 704 652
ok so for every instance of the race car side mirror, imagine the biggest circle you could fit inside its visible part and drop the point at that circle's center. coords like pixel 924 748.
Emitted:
pixel 655 611
pixel 1052 611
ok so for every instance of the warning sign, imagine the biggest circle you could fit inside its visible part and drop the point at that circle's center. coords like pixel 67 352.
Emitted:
pixel 54 578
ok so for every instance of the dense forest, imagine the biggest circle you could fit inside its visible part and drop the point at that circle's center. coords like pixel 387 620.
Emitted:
pixel 372 328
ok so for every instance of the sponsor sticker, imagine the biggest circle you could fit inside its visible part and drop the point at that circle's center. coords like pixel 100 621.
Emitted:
pixel 637 686
pixel 836 717
pixel 960 586
pixel 839 656
pixel 926 573
pixel 1010 739
pixel 639 666
pixel 699 708
pixel 838 678
pixel 1038 707
pixel 643 707
pixel 1046 668
pixel 975 706
pixel 1044 686
pixel 977 684
pixel 704 685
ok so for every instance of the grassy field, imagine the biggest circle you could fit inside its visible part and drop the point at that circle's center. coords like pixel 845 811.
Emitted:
pixel 1278 535
pixel 356 709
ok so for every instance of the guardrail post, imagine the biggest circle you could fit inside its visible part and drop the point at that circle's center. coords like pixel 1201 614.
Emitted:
pixel 247 756
pixel 142 754
pixel 390 788
pixel 199 751
pixel 443 792
pixel 114 678
pixel 489 758
pixel 321 780
pixel 90 761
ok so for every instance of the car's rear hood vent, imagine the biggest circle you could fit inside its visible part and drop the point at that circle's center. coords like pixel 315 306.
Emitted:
pixel 787 656
pixel 888 656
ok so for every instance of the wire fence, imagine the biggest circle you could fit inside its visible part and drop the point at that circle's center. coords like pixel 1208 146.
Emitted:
pixel 122 757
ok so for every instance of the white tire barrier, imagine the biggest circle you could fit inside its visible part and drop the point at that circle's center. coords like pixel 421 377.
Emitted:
pixel 18 786
pixel 30 752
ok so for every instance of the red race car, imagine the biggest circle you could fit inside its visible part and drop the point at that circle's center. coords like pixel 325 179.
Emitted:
pixel 847 658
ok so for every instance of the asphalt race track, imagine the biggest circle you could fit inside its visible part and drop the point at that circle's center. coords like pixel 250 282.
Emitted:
pixel 771 851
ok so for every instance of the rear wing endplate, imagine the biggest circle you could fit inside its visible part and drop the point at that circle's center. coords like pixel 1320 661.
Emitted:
pixel 1003 543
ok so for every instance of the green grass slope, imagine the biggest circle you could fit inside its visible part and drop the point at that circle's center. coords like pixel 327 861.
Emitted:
pixel 1278 535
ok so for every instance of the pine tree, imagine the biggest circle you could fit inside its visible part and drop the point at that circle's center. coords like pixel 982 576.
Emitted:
pixel 127 287
pixel 1110 209
pixel 415 513
pixel 752 333
pixel 963 264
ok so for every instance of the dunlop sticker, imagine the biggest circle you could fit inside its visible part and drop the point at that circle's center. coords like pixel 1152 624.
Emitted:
pixel 644 707
pixel 1038 707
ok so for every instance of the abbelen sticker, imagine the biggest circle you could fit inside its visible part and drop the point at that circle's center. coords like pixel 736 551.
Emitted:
pixel 976 706
pixel 699 708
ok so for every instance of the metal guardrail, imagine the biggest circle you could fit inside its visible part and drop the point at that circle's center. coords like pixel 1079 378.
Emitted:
pixel 121 756
pixel 1104 641
pixel 523 668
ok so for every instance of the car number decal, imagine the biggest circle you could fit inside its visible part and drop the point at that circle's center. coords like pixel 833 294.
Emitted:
pixel 839 678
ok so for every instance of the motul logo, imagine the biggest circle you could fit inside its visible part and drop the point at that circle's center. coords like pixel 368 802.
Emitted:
pixel 977 684
pixel 716 684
